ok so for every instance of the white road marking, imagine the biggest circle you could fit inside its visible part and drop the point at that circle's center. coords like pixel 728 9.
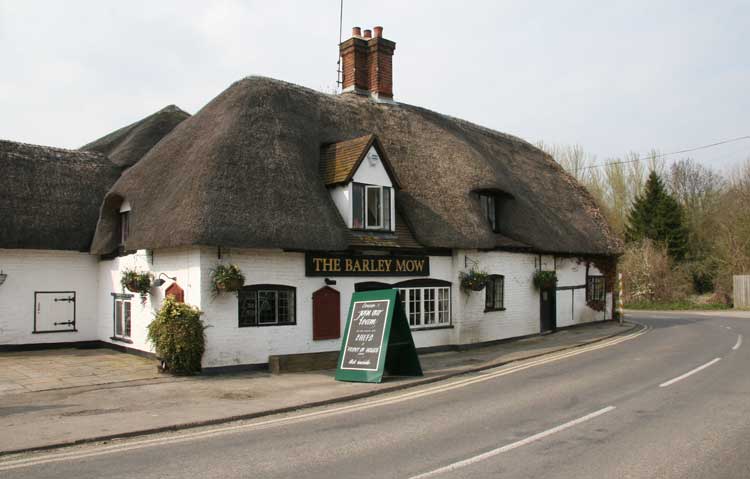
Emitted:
pixel 739 343
pixel 514 445
pixel 63 454
pixel 689 373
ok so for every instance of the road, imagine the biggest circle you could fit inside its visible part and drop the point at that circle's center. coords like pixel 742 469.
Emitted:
pixel 670 402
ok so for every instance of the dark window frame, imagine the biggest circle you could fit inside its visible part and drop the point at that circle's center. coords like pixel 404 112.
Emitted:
pixel 489 204
pixel 386 219
pixel 489 293
pixel 591 288
pixel 256 289
pixel 124 217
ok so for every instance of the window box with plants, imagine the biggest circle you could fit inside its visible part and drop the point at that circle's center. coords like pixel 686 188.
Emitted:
pixel 137 282
pixel 473 280
pixel 226 278
pixel 545 279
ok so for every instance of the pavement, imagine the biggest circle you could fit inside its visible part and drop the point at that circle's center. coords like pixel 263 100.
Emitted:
pixel 65 397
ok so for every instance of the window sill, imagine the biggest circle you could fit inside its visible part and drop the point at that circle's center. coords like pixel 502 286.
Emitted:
pixel 60 331
pixel 430 328
pixel 489 310
pixel 121 340
pixel 265 325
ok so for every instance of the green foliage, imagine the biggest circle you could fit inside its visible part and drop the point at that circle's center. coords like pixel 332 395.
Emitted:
pixel 657 215
pixel 177 333
pixel 137 282
pixel 683 305
pixel 474 280
pixel 545 279
pixel 226 277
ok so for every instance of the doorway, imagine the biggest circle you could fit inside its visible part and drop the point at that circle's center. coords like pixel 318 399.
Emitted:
pixel 547 313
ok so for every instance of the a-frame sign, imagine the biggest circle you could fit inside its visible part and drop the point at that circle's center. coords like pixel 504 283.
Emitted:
pixel 377 339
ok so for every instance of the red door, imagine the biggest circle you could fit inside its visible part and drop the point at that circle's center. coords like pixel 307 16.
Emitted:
pixel 326 313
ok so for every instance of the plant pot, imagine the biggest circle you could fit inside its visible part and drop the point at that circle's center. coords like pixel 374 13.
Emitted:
pixel 233 284
pixel 132 287
pixel 477 286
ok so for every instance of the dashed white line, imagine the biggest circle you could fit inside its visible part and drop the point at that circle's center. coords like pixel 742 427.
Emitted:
pixel 514 445
pixel 739 343
pixel 689 373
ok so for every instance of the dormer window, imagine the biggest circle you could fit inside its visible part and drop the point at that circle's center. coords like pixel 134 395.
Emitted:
pixel 124 215
pixel 489 209
pixel 371 207
pixel 361 182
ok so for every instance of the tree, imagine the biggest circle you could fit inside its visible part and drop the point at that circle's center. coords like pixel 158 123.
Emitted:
pixel 658 216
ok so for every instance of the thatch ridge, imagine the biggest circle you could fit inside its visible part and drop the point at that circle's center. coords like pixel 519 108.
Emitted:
pixel 244 172
pixel 51 196
pixel 126 145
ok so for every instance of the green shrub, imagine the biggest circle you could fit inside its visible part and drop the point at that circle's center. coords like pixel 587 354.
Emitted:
pixel 545 279
pixel 177 333
pixel 136 282
pixel 474 280
pixel 226 277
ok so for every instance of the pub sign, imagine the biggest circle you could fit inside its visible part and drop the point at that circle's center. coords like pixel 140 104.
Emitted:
pixel 333 264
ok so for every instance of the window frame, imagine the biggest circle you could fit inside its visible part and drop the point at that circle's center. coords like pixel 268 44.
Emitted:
pixel 364 203
pixel 489 204
pixel 491 279
pixel 409 290
pixel 256 290
pixel 591 288
pixel 124 227
pixel 118 305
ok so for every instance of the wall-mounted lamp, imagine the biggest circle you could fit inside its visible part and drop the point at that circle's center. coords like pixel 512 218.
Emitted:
pixel 329 281
pixel 158 281
pixel 3 276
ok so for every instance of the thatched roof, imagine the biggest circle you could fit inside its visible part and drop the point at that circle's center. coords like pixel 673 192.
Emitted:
pixel 126 146
pixel 244 172
pixel 50 197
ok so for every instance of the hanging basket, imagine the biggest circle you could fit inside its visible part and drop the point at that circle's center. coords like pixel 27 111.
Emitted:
pixel 473 280
pixel 3 277
pixel 545 279
pixel 231 284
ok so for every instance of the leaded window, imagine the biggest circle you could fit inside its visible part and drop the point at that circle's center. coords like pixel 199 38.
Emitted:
pixel 595 288
pixel 267 305
pixel 494 293
pixel 122 316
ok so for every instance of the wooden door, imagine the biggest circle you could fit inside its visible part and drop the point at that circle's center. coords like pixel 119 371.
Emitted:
pixel 547 313
pixel 326 314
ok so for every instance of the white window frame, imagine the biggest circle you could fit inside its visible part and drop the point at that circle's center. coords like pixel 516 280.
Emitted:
pixel 119 307
pixel 368 226
pixel 427 317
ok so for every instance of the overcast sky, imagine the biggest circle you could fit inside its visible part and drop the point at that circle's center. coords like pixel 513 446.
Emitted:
pixel 613 77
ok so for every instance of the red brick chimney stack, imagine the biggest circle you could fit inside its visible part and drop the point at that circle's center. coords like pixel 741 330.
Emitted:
pixel 367 64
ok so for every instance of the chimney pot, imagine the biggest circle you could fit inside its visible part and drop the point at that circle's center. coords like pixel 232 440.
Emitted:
pixel 378 32
pixel 368 33
pixel 356 32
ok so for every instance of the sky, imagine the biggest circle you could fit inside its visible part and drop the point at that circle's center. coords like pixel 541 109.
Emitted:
pixel 613 77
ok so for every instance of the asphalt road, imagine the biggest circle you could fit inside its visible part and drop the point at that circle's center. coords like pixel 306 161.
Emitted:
pixel 673 402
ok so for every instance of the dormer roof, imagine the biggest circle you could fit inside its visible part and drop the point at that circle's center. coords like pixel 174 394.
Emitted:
pixel 339 161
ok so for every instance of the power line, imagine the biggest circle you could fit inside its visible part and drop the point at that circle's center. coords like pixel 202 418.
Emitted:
pixel 724 142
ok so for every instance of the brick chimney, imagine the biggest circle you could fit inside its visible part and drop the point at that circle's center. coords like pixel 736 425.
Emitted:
pixel 367 64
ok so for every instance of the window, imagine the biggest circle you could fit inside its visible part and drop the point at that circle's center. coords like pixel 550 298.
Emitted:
pixel 426 306
pixel 371 207
pixel 489 209
pixel 122 315
pixel 267 305
pixel 124 226
pixel 494 293
pixel 595 288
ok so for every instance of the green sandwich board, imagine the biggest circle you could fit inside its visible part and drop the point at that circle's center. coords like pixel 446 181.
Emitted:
pixel 377 339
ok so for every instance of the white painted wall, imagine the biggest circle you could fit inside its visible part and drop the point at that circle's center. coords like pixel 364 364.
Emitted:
pixel 372 173
pixel 182 263
pixel 342 197
pixel 521 301
pixel 46 270
pixel 229 344
pixel 571 304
